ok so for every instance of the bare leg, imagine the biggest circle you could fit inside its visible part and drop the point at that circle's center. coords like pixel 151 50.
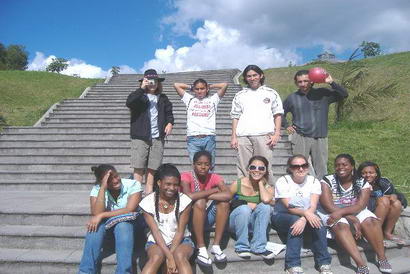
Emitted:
pixel 198 221
pixel 181 255
pixel 155 258
pixel 139 174
pixel 150 181
pixel 222 213
pixel 391 219
pixel 345 239
pixel 372 231
pixel 382 208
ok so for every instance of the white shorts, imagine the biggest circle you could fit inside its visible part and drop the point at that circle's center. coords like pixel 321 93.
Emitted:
pixel 362 215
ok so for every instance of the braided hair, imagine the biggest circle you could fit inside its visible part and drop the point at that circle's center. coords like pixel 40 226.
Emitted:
pixel 165 170
pixel 100 171
pixel 355 182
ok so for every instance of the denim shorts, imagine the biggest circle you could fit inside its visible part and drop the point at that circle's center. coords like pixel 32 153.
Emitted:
pixel 185 240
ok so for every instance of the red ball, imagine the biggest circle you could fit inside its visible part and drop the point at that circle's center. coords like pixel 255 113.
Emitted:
pixel 318 75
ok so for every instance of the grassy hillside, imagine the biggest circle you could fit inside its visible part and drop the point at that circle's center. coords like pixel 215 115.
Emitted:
pixel 26 95
pixel 379 130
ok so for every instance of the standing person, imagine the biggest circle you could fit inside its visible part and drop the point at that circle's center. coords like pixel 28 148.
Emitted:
pixel 251 210
pixel 385 201
pixel 166 212
pixel 297 196
pixel 310 107
pixel 343 202
pixel 111 196
pixel 205 188
pixel 201 115
pixel 256 120
pixel 151 122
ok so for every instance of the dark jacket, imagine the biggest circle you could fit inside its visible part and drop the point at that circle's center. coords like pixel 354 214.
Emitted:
pixel 382 187
pixel 138 103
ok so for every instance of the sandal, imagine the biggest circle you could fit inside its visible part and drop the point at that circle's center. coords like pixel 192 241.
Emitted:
pixel 397 240
pixel 203 261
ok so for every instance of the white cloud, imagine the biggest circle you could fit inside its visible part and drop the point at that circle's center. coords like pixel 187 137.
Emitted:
pixel 75 67
pixel 216 48
pixel 287 25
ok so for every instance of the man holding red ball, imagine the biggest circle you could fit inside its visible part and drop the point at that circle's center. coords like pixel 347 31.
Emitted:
pixel 310 107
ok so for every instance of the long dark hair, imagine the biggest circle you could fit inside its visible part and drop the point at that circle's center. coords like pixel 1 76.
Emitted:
pixel 166 170
pixel 356 187
pixel 264 161
pixel 372 164
pixel 100 171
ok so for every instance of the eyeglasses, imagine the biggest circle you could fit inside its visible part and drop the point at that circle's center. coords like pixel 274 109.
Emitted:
pixel 304 166
pixel 259 168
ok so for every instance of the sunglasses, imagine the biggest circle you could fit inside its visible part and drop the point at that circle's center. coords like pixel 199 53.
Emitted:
pixel 305 165
pixel 259 168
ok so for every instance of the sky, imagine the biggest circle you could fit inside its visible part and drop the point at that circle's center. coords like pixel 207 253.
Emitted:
pixel 183 35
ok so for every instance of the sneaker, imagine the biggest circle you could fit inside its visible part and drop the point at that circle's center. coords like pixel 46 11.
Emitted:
pixel 364 269
pixel 243 254
pixel 220 257
pixel 384 266
pixel 266 254
pixel 295 270
pixel 325 269
pixel 203 259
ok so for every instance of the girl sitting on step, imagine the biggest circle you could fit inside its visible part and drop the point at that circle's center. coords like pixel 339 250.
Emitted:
pixel 166 212
pixel 297 196
pixel 201 115
pixel 113 203
pixel 385 201
pixel 251 209
pixel 343 203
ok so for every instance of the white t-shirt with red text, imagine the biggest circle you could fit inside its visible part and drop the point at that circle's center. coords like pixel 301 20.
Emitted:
pixel 201 114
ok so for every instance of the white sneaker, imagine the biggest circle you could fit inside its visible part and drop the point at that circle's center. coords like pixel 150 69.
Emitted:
pixel 325 269
pixel 295 270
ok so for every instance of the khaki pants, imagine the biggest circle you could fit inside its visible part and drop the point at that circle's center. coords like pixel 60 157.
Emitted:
pixel 316 148
pixel 249 146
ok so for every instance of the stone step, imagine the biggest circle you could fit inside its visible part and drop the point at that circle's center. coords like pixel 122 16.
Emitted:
pixel 122 123
pixel 31 184
pixel 118 119
pixel 180 117
pixel 66 261
pixel 171 140
pixel 63 174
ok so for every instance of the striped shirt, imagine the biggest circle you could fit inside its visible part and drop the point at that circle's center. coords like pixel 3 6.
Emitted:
pixel 310 111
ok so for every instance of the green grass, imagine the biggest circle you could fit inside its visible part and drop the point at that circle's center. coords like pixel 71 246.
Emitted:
pixel 26 95
pixel 379 131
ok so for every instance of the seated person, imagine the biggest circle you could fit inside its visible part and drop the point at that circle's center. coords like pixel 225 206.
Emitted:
pixel 252 196
pixel 166 212
pixel 210 198
pixel 111 196
pixel 385 201
pixel 343 202
pixel 297 196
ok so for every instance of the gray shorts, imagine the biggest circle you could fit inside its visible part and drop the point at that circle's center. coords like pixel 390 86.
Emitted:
pixel 146 154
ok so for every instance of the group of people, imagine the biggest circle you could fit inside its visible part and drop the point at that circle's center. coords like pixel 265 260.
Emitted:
pixel 305 201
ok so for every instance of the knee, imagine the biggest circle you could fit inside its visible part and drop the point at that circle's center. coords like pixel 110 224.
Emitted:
pixel 383 202
pixel 224 206
pixel 199 205
pixel 139 171
pixel 179 256
pixel 157 258
pixel 370 222
pixel 263 208
pixel 396 204
pixel 340 228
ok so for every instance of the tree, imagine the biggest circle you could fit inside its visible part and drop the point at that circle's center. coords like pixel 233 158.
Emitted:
pixel 3 54
pixel 370 49
pixel 57 65
pixel 115 70
pixel 14 57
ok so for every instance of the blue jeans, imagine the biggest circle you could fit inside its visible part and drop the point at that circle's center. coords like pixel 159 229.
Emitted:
pixel 243 220
pixel 282 222
pixel 207 143
pixel 124 244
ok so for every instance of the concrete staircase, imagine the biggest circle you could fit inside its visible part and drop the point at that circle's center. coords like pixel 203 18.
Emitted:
pixel 45 177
